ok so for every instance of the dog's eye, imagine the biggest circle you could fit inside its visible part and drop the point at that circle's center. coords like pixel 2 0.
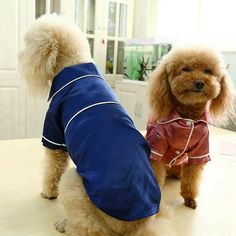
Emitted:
pixel 207 71
pixel 186 69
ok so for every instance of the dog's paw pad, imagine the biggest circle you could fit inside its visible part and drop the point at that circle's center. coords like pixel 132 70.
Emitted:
pixel 190 203
pixel 61 225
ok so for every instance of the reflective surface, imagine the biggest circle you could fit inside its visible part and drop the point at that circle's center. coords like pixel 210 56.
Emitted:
pixel 47 6
pixel 123 20
pixel 120 58
pixel 79 13
pixel 40 8
pixel 110 56
pixel 55 6
pixel 90 17
pixel 112 18
pixel 91 44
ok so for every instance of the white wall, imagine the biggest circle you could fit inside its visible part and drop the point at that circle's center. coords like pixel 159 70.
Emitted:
pixel 145 20
pixel 230 58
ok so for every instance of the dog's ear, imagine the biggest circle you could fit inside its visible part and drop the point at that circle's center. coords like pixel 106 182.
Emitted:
pixel 222 107
pixel 159 92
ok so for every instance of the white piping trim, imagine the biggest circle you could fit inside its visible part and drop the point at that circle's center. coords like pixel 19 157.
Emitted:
pixel 208 123
pixel 198 157
pixel 58 144
pixel 86 108
pixel 72 81
pixel 180 118
pixel 156 153
pixel 190 135
pixel 168 121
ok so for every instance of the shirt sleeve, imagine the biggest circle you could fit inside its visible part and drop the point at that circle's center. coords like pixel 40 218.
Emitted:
pixel 53 134
pixel 156 140
pixel 200 152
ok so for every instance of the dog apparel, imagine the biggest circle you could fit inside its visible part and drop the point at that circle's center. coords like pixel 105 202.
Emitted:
pixel 86 119
pixel 178 140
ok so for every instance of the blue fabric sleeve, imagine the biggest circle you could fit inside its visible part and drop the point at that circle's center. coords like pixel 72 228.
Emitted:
pixel 53 134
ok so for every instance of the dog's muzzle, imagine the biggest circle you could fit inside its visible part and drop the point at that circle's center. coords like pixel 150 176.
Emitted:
pixel 199 85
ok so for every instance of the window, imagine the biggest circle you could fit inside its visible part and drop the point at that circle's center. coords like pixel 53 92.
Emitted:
pixel 47 6
pixel 117 33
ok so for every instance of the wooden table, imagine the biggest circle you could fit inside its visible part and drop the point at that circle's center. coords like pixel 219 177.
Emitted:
pixel 24 213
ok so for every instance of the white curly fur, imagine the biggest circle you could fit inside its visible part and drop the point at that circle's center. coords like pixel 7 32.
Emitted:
pixel 51 45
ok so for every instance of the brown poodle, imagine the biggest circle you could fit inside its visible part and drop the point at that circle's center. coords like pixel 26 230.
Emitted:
pixel 99 194
pixel 189 89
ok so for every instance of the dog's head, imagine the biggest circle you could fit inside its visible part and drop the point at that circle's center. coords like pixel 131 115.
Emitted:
pixel 191 76
pixel 51 45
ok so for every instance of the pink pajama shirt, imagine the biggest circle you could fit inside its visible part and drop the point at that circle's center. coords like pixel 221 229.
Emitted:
pixel 178 140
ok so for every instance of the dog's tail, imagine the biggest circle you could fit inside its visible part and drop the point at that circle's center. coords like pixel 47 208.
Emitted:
pixel 158 225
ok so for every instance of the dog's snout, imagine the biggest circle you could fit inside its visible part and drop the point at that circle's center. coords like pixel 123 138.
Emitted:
pixel 199 84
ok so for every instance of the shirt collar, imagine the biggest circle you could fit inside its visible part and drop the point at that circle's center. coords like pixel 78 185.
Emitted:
pixel 174 115
pixel 68 74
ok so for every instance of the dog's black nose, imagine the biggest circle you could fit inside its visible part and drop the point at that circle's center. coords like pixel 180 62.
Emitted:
pixel 199 85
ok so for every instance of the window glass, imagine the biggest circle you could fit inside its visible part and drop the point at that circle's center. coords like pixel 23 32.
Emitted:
pixel 91 44
pixel 110 56
pixel 40 8
pixel 79 13
pixel 120 58
pixel 55 6
pixel 112 19
pixel 90 17
pixel 123 20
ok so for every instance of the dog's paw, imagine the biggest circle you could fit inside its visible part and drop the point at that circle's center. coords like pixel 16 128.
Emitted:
pixel 49 196
pixel 189 202
pixel 61 225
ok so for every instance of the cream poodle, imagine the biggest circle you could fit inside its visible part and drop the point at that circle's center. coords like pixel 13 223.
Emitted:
pixel 189 89
pixel 112 190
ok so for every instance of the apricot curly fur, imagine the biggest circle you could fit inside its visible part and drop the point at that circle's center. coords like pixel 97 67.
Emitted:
pixel 172 88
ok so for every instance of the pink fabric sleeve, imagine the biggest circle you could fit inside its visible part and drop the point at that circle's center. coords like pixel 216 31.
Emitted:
pixel 200 153
pixel 156 141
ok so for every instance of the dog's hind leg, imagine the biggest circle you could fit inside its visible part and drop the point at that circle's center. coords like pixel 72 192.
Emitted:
pixel 56 163
pixel 190 177
pixel 83 217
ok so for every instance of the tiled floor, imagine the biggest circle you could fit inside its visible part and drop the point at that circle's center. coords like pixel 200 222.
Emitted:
pixel 24 213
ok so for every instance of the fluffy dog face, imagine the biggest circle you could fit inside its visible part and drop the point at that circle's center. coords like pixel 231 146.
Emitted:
pixel 193 77
pixel 195 80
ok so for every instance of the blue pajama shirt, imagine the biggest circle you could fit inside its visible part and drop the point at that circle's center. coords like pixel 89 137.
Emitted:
pixel 86 119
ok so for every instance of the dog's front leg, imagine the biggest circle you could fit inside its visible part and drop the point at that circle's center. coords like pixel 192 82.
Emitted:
pixel 159 170
pixel 56 163
pixel 190 178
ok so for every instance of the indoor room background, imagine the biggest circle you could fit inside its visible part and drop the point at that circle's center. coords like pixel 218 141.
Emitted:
pixel 108 24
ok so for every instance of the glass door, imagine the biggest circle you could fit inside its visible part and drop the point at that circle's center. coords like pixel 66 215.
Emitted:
pixel 47 6
pixel 116 35
pixel 85 19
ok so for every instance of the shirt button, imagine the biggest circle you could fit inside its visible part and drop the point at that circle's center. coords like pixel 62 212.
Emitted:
pixel 177 152
pixel 189 123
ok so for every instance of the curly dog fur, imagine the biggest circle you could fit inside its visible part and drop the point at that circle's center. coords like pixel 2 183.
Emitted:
pixel 50 46
pixel 174 87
